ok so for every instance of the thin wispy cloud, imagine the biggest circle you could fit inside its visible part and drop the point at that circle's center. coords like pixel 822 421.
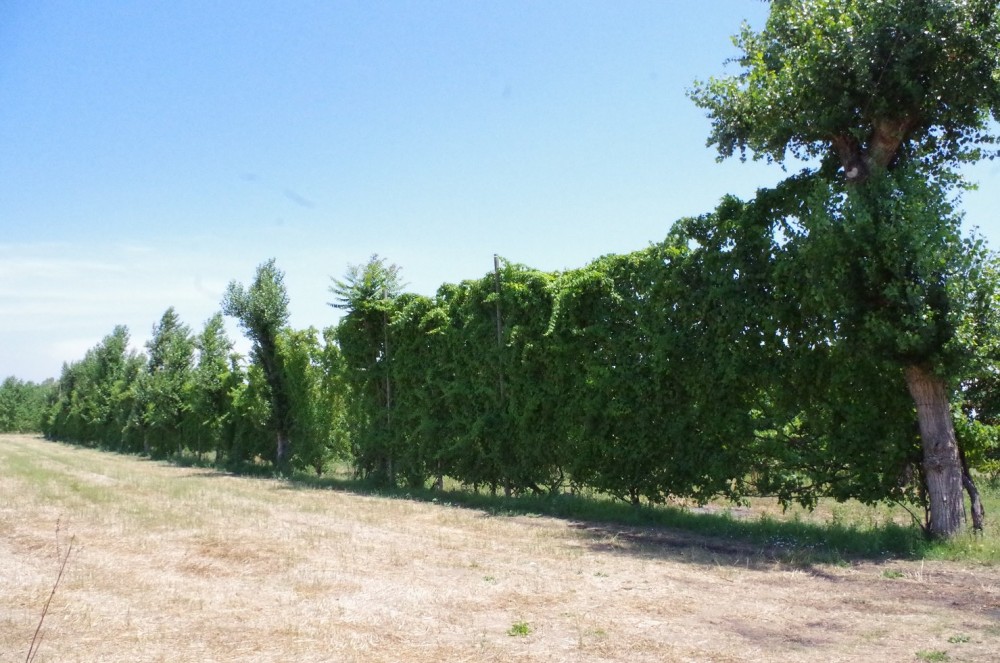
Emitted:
pixel 302 201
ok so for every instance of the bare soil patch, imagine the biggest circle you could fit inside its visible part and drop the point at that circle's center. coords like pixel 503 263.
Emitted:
pixel 180 564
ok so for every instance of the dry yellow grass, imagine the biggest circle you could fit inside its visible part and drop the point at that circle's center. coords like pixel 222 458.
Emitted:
pixel 179 564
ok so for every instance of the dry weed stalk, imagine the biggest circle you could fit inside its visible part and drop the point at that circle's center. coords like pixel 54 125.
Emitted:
pixel 36 639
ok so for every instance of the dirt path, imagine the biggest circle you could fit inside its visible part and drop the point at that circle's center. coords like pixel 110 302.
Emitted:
pixel 179 564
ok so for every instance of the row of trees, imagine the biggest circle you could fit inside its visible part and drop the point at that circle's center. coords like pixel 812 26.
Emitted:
pixel 835 335
pixel 687 369
pixel 190 394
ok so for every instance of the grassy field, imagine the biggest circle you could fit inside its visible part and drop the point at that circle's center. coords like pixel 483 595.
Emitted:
pixel 176 563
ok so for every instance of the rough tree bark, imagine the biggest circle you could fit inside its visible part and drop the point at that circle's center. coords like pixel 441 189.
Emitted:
pixel 942 461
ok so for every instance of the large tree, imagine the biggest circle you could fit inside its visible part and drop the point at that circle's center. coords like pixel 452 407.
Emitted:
pixel 262 311
pixel 884 99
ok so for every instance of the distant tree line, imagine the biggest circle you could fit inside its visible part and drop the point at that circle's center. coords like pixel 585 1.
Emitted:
pixel 190 394
pixel 23 405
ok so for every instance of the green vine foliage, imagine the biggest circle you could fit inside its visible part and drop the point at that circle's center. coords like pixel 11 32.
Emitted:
pixel 418 412
pixel 314 375
pixel 613 397
pixel 369 293
pixel 475 396
pixel 530 449
pixel 729 359
pixel 472 389
pixel 456 395
pixel 720 351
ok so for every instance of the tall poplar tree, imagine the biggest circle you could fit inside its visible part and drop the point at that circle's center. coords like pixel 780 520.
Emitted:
pixel 262 311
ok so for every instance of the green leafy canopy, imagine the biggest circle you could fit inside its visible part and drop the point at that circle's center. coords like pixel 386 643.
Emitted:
pixel 861 74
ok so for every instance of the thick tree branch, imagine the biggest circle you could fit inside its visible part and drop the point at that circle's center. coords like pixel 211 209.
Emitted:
pixel 849 152
pixel 886 137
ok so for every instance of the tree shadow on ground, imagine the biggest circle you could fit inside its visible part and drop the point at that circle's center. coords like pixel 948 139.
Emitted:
pixel 724 535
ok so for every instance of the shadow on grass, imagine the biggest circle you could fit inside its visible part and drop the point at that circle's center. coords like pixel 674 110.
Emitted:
pixel 657 530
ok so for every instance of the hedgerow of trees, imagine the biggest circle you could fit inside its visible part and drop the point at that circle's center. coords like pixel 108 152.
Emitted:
pixel 666 373
pixel 836 335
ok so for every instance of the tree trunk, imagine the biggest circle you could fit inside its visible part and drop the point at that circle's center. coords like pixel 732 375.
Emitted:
pixel 942 464
pixel 975 501
pixel 282 455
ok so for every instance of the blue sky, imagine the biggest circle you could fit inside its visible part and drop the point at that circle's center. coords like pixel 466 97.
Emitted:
pixel 150 152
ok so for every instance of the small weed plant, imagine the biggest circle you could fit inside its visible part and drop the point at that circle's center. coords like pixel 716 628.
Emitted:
pixel 519 629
